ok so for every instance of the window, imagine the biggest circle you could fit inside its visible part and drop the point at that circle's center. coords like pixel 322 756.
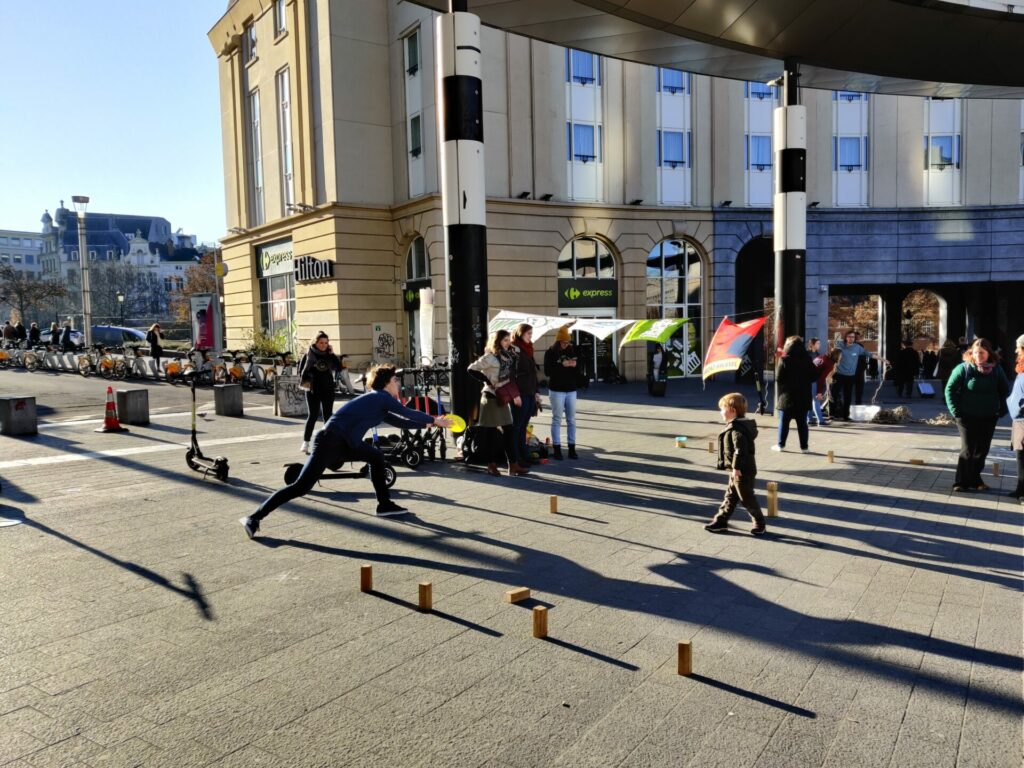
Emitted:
pixel 942 152
pixel 1022 148
pixel 673 81
pixel 415 136
pixel 29 259
pixel 167 284
pixel 92 255
pixel 760 91
pixel 5 257
pixel 284 132
pixel 759 152
pixel 249 43
pixel 255 160
pixel 416 265
pixel 582 68
pixel 280 20
pixel 674 149
pixel 675 289
pixel 846 153
pixel 3 240
pixel 412 53
pixel 848 96
pixel 586 257
pixel 581 144
pixel 16 242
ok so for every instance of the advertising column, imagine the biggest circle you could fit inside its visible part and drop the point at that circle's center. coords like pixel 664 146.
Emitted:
pixel 205 314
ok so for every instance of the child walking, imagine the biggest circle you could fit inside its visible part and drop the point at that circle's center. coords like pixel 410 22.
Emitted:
pixel 736 454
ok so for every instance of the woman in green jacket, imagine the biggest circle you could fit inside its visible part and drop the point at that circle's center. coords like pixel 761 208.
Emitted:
pixel 976 397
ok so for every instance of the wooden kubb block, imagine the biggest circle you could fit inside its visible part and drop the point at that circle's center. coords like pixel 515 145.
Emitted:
pixel 366 578
pixel 540 621
pixel 685 658
pixel 773 499
pixel 554 505
pixel 426 596
pixel 517 595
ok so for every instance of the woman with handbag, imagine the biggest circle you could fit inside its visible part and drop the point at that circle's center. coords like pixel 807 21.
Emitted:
pixel 526 380
pixel 317 371
pixel 496 369
pixel 976 395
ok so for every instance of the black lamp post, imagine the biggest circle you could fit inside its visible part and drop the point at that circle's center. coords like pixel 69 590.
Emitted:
pixel 120 302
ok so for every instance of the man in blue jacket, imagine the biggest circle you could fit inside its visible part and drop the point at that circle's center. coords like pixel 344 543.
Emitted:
pixel 847 370
pixel 341 440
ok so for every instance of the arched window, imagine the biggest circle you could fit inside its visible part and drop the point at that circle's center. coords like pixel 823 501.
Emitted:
pixel 417 275
pixel 586 257
pixel 675 288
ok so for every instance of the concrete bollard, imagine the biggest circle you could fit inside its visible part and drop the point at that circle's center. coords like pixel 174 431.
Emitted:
pixel 366 578
pixel 18 416
pixel 227 399
pixel 426 596
pixel 685 658
pixel 540 621
pixel 133 406
pixel 773 499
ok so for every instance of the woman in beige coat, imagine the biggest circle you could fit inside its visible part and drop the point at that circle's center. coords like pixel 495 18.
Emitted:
pixel 496 367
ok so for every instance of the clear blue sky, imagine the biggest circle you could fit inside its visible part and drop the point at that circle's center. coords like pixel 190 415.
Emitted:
pixel 114 99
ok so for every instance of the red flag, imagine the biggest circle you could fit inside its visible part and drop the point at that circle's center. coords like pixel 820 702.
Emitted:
pixel 729 344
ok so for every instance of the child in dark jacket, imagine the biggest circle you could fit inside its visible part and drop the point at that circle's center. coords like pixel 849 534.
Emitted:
pixel 736 454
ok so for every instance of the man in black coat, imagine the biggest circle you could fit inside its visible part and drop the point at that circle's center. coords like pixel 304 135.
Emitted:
pixel 908 364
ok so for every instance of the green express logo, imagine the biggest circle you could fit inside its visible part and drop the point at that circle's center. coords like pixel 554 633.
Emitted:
pixel 572 294
pixel 271 259
pixel 410 296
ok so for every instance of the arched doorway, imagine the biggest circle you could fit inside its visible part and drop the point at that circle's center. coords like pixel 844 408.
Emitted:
pixel 675 289
pixel 755 296
pixel 588 286
pixel 417 275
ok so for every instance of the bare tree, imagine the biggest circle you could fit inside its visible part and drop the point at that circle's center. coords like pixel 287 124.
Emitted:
pixel 26 293
pixel 199 278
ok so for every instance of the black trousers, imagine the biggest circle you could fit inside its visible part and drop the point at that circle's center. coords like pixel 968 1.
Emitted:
pixel 844 388
pixel 859 387
pixel 740 490
pixel 1020 474
pixel 328 451
pixel 498 444
pixel 317 404
pixel 975 440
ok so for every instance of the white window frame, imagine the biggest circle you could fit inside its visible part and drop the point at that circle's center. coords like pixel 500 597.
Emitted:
pixel 412 68
pixel 249 43
pixel 284 132
pixel 255 153
pixel 280 18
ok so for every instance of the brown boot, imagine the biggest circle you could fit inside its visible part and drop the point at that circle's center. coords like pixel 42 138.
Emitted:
pixel 517 469
pixel 492 469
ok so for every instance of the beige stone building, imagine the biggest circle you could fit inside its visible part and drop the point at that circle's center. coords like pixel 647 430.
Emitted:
pixel 655 182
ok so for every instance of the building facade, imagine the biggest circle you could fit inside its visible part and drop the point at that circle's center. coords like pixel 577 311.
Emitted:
pixel 650 187
pixel 21 250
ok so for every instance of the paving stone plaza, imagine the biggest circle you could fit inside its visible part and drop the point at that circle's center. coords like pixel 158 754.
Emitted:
pixel 877 624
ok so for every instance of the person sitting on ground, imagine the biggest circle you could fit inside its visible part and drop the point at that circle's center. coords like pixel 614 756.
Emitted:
pixel 736 454
pixel 341 440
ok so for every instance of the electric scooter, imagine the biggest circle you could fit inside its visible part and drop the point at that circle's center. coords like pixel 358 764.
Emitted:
pixel 194 455
pixel 291 473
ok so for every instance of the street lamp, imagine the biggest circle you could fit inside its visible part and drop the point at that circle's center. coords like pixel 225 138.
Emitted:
pixel 120 303
pixel 81 202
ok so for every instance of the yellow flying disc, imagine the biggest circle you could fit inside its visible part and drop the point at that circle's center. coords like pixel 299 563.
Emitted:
pixel 456 423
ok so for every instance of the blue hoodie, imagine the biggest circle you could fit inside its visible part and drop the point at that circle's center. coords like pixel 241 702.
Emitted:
pixel 357 417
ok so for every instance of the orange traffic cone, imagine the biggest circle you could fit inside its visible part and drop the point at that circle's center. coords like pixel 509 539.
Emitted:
pixel 110 422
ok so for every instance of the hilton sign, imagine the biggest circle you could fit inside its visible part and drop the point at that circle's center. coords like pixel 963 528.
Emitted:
pixel 309 270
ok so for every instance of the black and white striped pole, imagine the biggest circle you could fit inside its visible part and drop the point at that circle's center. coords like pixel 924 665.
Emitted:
pixel 789 131
pixel 461 136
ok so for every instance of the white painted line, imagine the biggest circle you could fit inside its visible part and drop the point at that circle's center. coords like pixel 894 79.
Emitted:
pixel 152 417
pixel 65 458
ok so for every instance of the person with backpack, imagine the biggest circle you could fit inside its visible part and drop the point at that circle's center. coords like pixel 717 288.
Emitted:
pixel 317 370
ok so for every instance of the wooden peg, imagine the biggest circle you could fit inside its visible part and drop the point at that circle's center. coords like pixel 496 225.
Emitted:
pixel 685 658
pixel 830 457
pixel 554 505
pixel 540 621
pixel 711 446
pixel 366 578
pixel 995 469
pixel 918 462
pixel 773 499
pixel 426 596
pixel 517 595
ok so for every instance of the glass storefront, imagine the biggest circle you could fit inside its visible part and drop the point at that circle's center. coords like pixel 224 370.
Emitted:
pixel 274 269
pixel 675 289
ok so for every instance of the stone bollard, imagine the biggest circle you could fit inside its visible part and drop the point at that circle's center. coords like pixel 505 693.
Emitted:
pixel 227 399
pixel 18 416
pixel 133 406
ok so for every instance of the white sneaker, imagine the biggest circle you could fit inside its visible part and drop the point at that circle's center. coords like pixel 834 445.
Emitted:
pixel 805 450
pixel 305 447
pixel 778 448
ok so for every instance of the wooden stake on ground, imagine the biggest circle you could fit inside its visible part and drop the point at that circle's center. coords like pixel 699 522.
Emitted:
pixel 773 499
pixel 366 578
pixel 918 462
pixel 517 595
pixel 995 469
pixel 830 457
pixel 554 505
pixel 426 596
pixel 540 621
pixel 685 658
pixel 711 446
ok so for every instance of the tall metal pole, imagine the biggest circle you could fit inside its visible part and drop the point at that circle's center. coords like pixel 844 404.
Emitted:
pixel 461 138
pixel 83 257
pixel 789 133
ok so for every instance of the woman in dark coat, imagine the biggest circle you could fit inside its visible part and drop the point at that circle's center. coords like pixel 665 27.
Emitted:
pixel 526 378
pixel 793 380
pixel 317 370
pixel 153 338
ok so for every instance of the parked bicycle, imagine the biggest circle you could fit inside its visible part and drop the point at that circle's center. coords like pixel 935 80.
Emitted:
pixel 101 362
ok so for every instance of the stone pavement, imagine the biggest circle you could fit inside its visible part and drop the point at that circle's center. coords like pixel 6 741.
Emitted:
pixel 878 624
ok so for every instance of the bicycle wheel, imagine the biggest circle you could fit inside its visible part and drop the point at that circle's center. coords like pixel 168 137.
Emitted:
pixel 269 377
pixel 220 374
pixel 105 366
pixel 84 366
pixel 30 361
pixel 120 369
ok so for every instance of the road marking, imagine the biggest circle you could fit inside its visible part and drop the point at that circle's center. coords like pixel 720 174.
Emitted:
pixel 66 458
pixel 152 417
